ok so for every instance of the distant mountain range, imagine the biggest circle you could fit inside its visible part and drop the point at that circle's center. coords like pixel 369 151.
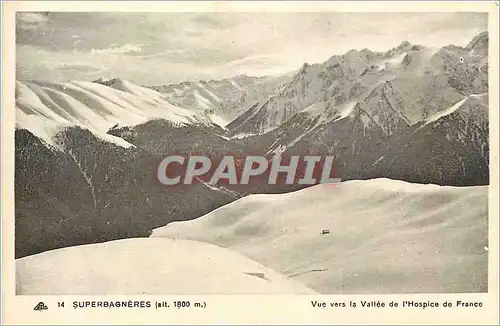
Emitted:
pixel 423 81
pixel 86 152
pixel 228 97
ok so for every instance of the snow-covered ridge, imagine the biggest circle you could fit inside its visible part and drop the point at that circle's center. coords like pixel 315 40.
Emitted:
pixel 383 236
pixel 47 108
pixel 482 98
pixel 446 112
pixel 148 266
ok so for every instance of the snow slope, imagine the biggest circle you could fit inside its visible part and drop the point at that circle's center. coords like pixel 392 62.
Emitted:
pixel 148 266
pixel 47 108
pixel 446 112
pixel 481 99
pixel 385 236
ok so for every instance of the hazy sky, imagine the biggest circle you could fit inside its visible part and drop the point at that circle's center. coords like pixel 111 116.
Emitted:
pixel 160 48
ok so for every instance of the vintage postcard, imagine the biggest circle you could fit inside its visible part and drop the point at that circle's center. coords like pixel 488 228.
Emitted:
pixel 250 163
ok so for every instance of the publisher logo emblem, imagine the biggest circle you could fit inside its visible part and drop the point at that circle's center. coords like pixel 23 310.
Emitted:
pixel 40 307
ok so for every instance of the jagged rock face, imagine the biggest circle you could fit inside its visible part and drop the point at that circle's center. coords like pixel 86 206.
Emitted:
pixel 479 44
pixel 466 68
pixel 104 82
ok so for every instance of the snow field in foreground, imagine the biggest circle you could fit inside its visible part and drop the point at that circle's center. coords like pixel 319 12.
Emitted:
pixel 148 266
pixel 385 236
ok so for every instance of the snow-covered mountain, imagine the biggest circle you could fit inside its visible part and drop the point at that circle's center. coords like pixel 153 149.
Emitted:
pixel 171 266
pixel 423 81
pixel 78 181
pixel 86 152
pixel 411 113
pixel 450 147
pixel 47 108
pixel 372 236
pixel 228 98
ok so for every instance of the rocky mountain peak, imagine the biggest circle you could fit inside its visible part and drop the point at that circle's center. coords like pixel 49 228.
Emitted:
pixel 304 68
pixel 479 43
pixel 404 45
